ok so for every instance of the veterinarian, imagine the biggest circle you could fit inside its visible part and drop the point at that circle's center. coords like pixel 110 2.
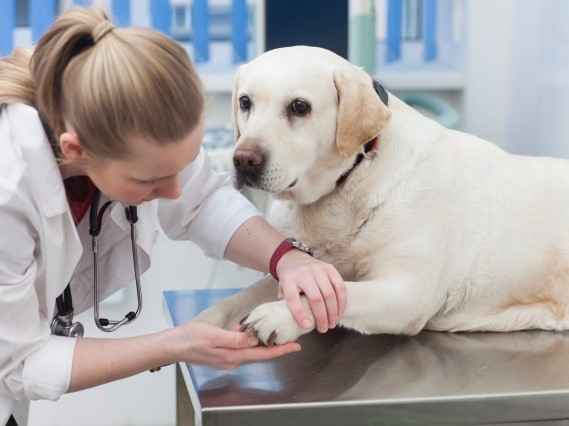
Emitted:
pixel 99 113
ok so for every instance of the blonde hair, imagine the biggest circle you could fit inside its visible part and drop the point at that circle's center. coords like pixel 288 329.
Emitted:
pixel 107 84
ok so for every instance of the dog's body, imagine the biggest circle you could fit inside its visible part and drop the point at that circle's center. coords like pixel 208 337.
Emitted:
pixel 434 229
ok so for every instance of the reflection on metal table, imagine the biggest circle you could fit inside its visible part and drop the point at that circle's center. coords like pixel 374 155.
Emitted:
pixel 343 378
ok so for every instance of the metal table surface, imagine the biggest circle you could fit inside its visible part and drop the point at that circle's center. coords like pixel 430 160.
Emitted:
pixel 343 378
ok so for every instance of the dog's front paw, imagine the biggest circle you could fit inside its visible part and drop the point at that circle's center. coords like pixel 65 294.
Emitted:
pixel 273 324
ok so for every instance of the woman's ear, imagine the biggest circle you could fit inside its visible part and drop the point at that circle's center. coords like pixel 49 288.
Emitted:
pixel 70 148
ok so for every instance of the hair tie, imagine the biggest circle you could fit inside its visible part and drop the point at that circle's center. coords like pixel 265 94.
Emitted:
pixel 101 30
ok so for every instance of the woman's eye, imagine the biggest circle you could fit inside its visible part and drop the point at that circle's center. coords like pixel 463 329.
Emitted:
pixel 299 107
pixel 244 103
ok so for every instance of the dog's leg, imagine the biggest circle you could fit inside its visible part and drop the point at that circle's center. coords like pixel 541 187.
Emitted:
pixel 230 311
pixel 373 307
pixel 543 316
pixel 389 307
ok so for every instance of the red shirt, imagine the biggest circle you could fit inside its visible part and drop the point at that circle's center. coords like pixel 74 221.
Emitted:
pixel 79 191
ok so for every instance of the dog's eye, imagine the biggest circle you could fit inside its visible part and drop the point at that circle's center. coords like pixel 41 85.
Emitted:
pixel 299 107
pixel 245 103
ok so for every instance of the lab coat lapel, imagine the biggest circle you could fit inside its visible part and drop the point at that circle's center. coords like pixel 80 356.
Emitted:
pixel 60 244
pixel 63 250
pixel 43 170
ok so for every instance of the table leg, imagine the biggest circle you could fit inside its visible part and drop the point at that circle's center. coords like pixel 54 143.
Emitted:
pixel 184 409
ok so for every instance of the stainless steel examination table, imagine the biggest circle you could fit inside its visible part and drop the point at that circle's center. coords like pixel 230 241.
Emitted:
pixel 342 378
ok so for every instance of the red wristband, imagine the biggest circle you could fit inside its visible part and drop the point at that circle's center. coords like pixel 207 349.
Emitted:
pixel 280 251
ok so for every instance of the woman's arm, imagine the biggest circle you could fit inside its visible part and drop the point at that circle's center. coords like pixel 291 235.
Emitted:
pixel 98 361
pixel 219 219
pixel 253 244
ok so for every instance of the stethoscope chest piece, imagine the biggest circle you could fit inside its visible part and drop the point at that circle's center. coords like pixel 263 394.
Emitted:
pixel 63 325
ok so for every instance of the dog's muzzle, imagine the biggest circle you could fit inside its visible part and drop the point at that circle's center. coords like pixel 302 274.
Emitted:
pixel 249 166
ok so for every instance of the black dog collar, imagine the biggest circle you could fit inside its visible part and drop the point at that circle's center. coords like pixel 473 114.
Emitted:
pixel 381 92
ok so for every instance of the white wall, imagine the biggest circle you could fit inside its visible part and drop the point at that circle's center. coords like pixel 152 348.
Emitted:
pixel 488 61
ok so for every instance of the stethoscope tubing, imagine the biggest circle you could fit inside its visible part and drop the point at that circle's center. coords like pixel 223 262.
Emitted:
pixel 62 323
pixel 95 227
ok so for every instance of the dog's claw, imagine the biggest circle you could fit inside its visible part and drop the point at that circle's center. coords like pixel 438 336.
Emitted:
pixel 272 338
pixel 249 328
pixel 243 326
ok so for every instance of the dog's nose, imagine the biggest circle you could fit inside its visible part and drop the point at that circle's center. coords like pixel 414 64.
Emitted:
pixel 248 160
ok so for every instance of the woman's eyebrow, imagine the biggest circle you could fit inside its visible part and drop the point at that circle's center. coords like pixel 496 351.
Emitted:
pixel 150 179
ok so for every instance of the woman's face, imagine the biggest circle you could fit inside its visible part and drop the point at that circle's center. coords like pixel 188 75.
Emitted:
pixel 150 171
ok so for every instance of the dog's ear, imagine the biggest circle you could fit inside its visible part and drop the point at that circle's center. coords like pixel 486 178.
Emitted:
pixel 235 105
pixel 361 114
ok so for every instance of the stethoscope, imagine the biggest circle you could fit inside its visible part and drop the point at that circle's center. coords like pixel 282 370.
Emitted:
pixel 62 324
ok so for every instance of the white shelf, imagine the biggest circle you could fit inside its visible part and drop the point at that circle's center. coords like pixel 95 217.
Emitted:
pixel 220 81
pixel 422 80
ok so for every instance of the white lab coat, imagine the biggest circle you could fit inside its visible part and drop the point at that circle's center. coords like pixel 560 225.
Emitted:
pixel 41 250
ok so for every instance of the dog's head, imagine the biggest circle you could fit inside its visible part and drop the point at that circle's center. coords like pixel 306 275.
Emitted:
pixel 301 116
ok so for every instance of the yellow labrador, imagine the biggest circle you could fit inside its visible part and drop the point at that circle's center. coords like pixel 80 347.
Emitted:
pixel 431 228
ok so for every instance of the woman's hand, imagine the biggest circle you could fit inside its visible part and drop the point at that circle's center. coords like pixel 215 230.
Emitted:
pixel 202 343
pixel 321 284
pixel 253 244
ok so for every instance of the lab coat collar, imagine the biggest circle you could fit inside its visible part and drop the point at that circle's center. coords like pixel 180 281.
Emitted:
pixel 60 241
pixel 46 180
pixel 63 247
pixel 43 170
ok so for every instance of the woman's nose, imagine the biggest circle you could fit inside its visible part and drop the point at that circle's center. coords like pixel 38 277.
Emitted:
pixel 170 189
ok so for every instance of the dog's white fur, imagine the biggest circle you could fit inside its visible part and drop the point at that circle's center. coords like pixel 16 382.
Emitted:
pixel 438 230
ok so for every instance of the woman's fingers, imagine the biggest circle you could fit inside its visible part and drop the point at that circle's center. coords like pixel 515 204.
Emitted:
pixel 339 288
pixel 233 339
pixel 317 305
pixel 236 357
pixel 228 358
pixel 330 299
pixel 292 297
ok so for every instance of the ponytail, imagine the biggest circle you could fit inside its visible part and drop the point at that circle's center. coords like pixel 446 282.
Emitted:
pixel 16 84
pixel 107 84
pixel 71 35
